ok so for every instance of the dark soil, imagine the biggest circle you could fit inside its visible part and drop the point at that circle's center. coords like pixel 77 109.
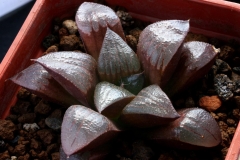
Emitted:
pixel 32 130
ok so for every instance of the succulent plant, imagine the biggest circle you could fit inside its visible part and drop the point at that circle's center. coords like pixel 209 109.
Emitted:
pixel 98 109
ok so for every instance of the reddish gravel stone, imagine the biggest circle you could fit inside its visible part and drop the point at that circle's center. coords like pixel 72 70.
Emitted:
pixel 210 103
pixel 7 129
pixel 46 136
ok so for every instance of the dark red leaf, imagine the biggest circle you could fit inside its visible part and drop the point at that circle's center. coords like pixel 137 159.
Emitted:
pixel 195 128
pixel 116 59
pixel 157 49
pixel 196 60
pixel 84 129
pixel 36 79
pixel 92 20
pixel 151 107
pixel 110 99
pixel 75 71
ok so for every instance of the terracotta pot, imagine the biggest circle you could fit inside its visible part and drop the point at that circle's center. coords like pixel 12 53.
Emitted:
pixel 215 18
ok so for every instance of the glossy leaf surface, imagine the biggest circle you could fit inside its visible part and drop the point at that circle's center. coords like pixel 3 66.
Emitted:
pixel 116 59
pixel 84 129
pixel 151 107
pixel 92 20
pixel 75 71
pixel 36 79
pixel 133 83
pixel 195 128
pixel 157 49
pixel 110 99
pixel 196 60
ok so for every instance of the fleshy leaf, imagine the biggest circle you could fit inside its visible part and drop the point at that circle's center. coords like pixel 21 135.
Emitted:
pixel 116 59
pixel 151 107
pixel 157 49
pixel 36 79
pixel 92 20
pixel 75 71
pixel 195 128
pixel 84 129
pixel 110 99
pixel 196 60
pixel 133 83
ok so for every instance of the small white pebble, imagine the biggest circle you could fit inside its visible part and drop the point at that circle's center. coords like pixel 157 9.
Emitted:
pixel 71 26
pixel 13 158
pixel 32 127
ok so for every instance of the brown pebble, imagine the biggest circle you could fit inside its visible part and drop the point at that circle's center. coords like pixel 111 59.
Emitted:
pixel 34 99
pixel 52 148
pixel 12 117
pixel 23 133
pixel 33 153
pixel 23 93
pixel 214 115
pixel 226 52
pixel 223 126
pixel 231 131
pixel 21 107
pixel 27 118
pixel 4 155
pixel 63 32
pixel 7 129
pixel 225 139
pixel 42 123
pixel 57 113
pixel 43 108
pixel 20 150
pixel 236 113
pixel 132 42
pixel 36 145
pixel 24 142
pixel 51 49
pixel 10 150
pixel 55 156
pixel 71 26
pixel 43 155
pixel 69 43
pixel 24 157
pixel 210 103
pixel 231 122
pixel 222 116
pixel 135 33
pixel 46 136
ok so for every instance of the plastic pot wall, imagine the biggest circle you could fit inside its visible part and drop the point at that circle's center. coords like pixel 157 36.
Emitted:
pixel 215 18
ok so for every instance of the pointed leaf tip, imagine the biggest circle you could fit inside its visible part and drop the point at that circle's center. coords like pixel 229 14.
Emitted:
pixel 116 59
pixel 196 60
pixel 36 79
pixel 110 99
pixel 75 71
pixel 92 20
pixel 151 107
pixel 195 128
pixel 157 49
pixel 84 129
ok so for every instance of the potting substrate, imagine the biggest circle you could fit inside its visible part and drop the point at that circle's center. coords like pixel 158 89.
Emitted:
pixel 32 130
